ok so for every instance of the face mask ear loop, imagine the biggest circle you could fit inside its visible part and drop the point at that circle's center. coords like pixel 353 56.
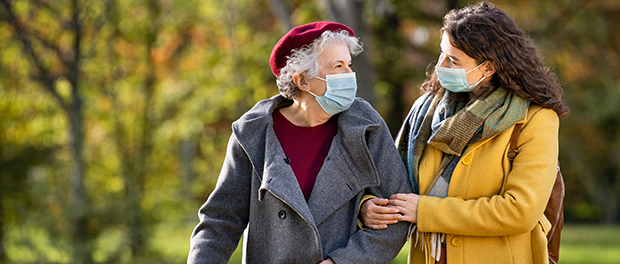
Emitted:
pixel 319 79
pixel 312 93
pixel 481 79
pixel 476 67
pixel 478 82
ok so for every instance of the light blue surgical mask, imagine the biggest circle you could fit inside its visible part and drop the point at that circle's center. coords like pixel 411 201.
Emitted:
pixel 455 80
pixel 340 92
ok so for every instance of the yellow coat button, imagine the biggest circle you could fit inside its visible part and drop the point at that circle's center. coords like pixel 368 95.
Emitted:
pixel 466 160
pixel 459 197
pixel 457 241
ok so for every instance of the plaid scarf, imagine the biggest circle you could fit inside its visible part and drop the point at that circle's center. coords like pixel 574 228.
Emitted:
pixel 450 127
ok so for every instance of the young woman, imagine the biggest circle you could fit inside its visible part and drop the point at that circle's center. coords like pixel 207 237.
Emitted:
pixel 470 203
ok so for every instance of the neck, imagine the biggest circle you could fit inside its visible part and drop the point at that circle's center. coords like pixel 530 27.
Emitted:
pixel 483 89
pixel 473 95
pixel 305 111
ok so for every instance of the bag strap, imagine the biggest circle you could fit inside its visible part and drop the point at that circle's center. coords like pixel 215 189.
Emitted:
pixel 512 151
pixel 554 209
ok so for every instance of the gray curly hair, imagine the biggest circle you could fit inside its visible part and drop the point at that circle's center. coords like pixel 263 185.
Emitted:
pixel 305 59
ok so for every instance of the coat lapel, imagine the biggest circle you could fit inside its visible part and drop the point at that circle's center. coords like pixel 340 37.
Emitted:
pixel 279 179
pixel 346 171
pixel 334 186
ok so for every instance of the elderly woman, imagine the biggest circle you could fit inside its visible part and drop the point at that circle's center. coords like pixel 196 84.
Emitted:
pixel 299 164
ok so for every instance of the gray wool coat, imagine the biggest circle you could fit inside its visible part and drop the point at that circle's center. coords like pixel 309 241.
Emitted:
pixel 257 192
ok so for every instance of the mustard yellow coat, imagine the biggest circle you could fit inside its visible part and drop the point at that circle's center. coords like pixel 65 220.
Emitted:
pixel 494 214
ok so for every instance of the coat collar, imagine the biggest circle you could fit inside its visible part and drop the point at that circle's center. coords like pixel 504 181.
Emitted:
pixel 348 163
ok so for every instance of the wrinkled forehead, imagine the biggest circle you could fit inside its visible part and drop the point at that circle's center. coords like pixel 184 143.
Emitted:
pixel 334 54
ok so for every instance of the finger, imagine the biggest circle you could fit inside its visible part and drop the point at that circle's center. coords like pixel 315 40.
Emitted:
pixel 383 210
pixel 399 196
pixel 396 203
pixel 378 227
pixel 405 208
pixel 379 201
pixel 384 217
pixel 380 209
pixel 381 222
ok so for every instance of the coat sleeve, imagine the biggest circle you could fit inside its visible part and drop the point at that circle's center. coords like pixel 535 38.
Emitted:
pixel 224 216
pixel 379 246
pixel 527 189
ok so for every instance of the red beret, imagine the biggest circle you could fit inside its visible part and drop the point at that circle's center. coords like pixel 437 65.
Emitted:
pixel 299 37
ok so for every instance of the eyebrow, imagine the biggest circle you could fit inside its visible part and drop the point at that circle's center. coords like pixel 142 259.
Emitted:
pixel 451 57
pixel 338 61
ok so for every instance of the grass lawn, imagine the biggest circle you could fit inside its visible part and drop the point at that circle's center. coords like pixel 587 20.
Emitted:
pixel 590 244
pixel 581 244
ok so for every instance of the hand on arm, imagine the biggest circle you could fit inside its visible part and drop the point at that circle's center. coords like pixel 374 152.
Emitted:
pixel 377 216
pixel 407 205
pixel 327 261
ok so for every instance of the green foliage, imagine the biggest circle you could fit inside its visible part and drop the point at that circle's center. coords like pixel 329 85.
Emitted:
pixel 578 41
pixel 161 82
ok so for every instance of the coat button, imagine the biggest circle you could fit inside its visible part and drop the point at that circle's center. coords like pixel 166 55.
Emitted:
pixel 466 160
pixel 457 241
pixel 282 214
pixel 459 197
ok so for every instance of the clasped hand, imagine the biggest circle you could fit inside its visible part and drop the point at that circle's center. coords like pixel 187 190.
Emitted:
pixel 378 213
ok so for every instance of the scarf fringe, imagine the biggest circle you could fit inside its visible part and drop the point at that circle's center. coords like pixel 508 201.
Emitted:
pixel 430 243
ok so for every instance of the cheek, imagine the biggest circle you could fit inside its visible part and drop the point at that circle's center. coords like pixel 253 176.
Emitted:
pixel 474 77
pixel 471 78
pixel 318 87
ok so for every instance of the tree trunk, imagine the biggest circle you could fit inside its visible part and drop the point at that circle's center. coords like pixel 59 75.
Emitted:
pixel 350 13
pixel 3 256
pixel 82 249
pixel 79 214
pixel 137 225
pixel 281 11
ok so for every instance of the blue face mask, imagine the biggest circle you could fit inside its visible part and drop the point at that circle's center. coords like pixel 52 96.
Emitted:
pixel 340 92
pixel 455 80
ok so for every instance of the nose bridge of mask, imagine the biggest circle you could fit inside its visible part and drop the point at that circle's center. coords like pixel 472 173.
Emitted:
pixel 340 76
pixel 332 79
pixel 442 57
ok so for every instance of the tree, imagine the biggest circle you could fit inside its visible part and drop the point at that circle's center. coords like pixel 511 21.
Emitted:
pixel 134 136
pixel 578 40
pixel 55 53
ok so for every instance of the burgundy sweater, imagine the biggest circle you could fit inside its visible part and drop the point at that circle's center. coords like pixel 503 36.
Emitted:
pixel 305 147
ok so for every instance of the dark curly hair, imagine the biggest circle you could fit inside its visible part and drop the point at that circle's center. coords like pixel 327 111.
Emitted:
pixel 485 32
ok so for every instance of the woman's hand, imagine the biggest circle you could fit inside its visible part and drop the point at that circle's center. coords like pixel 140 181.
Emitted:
pixel 327 261
pixel 377 216
pixel 407 205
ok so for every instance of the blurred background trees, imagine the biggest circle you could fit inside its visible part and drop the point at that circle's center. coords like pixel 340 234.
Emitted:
pixel 114 115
